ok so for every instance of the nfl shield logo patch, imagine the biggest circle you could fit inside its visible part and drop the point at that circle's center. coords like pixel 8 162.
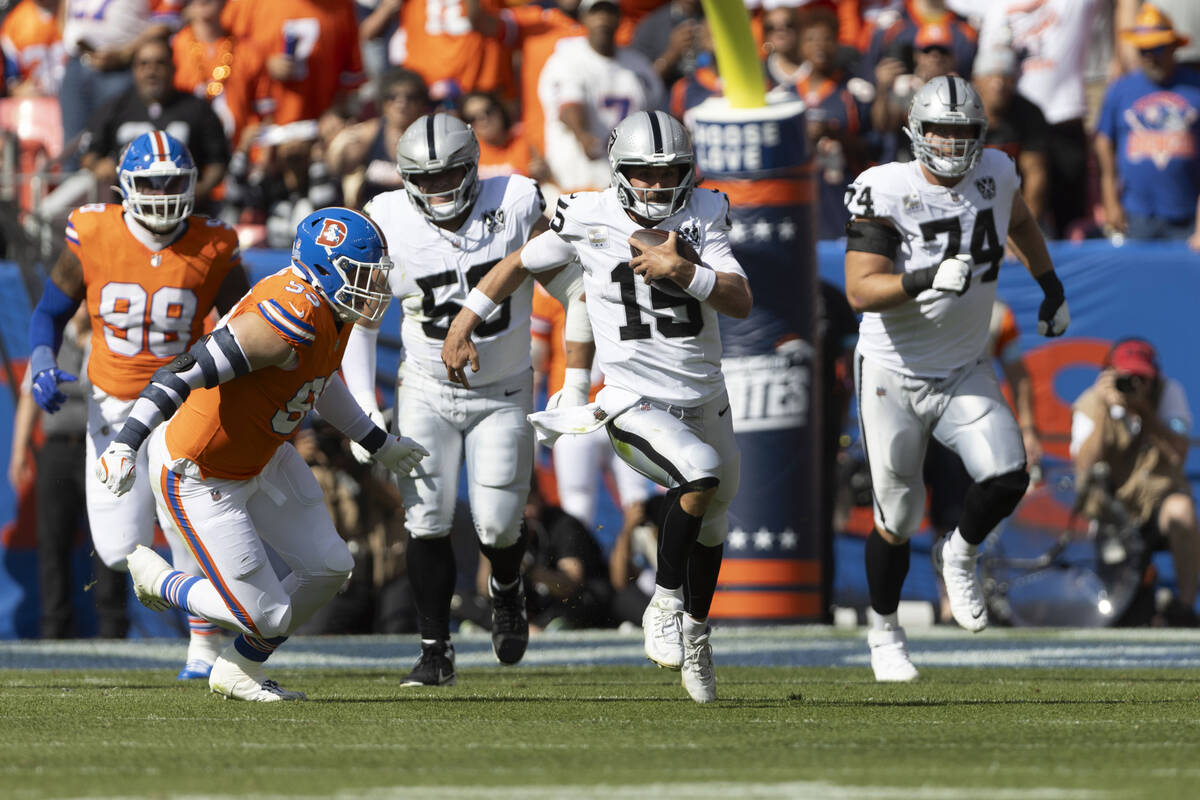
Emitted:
pixel 986 187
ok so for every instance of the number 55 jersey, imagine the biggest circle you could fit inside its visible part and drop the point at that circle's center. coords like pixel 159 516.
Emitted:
pixel 436 269
pixel 940 331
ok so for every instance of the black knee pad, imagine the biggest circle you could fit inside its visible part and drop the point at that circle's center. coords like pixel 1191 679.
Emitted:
pixel 987 503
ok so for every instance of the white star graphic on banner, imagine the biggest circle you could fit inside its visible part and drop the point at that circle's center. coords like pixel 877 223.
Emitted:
pixel 763 539
pixel 788 539
pixel 762 230
pixel 787 230
pixel 738 232
pixel 737 539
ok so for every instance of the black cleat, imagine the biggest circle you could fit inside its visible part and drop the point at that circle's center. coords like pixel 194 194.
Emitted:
pixel 435 667
pixel 510 625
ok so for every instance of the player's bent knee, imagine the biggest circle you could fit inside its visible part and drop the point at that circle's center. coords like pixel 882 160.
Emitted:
pixel 1003 492
pixel 338 560
pixel 894 537
pixel 695 497
pixel 274 619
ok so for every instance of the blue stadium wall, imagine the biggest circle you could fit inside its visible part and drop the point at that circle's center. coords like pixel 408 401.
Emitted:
pixel 1151 290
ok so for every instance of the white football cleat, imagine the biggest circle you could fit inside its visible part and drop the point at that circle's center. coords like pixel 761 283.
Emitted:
pixel 241 679
pixel 662 627
pixel 146 567
pixel 889 656
pixel 962 587
pixel 697 674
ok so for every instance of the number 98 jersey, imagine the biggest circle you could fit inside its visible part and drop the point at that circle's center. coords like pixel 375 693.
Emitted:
pixel 938 332
pixel 146 307
pixel 441 267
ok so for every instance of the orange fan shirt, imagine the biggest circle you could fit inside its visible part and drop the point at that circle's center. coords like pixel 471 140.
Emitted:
pixel 31 40
pixel 442 45
pixel 229 74
pixel 509 159
pixel 322 37
pixel 232 430
pixel 146 307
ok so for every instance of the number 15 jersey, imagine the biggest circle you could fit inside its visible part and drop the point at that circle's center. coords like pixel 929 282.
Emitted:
pixel 660 344
pixel 938 332
pixel 441 267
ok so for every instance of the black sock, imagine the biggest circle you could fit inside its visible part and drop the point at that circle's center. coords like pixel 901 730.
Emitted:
pixel 675 540
pixel 887 567
pixel 700 581
pixel 506 561
pixel 432 572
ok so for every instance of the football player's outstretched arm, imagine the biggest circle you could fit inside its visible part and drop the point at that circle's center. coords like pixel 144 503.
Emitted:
pixel 1026 240
pixel 547 253
pixel 60 297
pixel 246 344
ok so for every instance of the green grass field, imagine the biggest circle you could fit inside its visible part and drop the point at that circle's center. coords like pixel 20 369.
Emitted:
pixel 616 731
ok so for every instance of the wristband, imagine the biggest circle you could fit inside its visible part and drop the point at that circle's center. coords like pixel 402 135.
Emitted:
pixel 376 438
pixel 703 282
pixel 480 304
pixel 917 281
pixel 578 378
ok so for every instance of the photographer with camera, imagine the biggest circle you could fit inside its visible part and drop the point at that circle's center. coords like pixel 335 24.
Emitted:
pixel 1136 420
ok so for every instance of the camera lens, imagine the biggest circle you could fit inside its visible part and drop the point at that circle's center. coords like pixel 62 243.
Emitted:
pixel 1125 384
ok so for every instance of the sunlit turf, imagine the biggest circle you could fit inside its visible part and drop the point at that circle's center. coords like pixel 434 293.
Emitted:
pixel 609 731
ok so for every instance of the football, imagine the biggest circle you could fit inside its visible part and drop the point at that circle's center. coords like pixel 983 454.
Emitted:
pixel 654 237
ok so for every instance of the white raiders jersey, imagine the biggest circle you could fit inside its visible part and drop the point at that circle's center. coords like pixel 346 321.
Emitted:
pixel 647 341
pixel 443 266
pixel 938 332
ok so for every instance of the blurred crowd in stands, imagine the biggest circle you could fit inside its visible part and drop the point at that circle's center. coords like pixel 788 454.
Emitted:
pixel 292 105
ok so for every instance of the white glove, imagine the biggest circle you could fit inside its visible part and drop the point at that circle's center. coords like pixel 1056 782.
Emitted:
pixel 400 454
pixel 115 468
pixel 360 453
pixel 577 385
pixel 954 275
pixel 1058 321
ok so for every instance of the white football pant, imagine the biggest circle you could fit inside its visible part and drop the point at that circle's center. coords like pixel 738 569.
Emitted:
pixel 226 522
pixel 120 524
pixel 489 422
pixel 965 411
pixel 674 445
pixel 579 463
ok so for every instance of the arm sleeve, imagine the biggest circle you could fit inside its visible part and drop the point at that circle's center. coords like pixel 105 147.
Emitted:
pixel 215 359
pixel 546 251
pixel 337 406
pixel 46 326
pixel 358 366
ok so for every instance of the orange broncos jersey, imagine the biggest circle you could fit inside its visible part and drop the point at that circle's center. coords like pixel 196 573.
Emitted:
pixel 442 45
pixel 232 431
pixel 228 73
pixel 321 35
pixel 146 307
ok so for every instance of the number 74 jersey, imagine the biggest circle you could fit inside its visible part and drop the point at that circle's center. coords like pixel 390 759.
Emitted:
pixel 938 332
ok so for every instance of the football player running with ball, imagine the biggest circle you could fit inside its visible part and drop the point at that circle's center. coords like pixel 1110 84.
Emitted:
pixel 221 468
pixel 448 229
pixel 923 251
pixel 654 315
